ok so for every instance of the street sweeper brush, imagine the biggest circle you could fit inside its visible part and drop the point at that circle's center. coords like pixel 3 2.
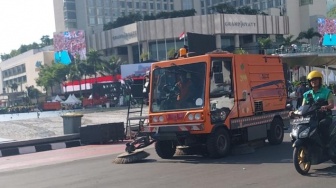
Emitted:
pixel 133 153
pixel 132 157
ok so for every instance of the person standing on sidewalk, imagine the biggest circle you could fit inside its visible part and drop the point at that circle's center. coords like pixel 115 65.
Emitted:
pixel 299 94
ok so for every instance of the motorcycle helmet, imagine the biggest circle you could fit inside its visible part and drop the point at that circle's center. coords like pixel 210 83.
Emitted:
pixel 314 74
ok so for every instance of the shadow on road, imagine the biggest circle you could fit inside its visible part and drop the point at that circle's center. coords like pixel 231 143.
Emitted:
pixel 328 172
pixel 267 154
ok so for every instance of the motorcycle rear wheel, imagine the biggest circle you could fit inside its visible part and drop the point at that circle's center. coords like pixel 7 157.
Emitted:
pixel 301 160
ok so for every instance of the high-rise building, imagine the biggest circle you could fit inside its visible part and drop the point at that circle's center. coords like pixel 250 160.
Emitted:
pixel 91 15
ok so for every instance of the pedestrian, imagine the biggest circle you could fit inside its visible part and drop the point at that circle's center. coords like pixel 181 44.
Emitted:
pixel 299 94
pixel 294 48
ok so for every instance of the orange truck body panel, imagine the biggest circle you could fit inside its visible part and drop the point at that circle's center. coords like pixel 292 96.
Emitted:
pixel 51 106
pixel 255 78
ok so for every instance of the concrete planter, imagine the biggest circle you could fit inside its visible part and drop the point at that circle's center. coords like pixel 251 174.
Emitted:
pixel 72 123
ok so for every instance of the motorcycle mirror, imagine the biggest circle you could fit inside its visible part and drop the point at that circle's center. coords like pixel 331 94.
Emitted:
pixel 289 106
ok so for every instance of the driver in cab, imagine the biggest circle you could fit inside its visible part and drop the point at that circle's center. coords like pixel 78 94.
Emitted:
pixel 185 87
pixel 318 92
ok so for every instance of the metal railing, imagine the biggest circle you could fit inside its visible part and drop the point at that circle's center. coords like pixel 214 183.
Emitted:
pixel 315 49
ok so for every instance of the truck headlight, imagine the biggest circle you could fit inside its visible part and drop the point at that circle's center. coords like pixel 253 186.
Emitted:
pixel 161 118
pixel 191 117
pixel 155 119
pixel 304 133
pixel 197 116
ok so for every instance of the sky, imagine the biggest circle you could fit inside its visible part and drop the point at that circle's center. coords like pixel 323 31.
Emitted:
pixel 25 22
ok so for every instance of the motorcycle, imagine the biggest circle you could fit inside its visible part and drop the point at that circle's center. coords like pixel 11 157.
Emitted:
pixel 309 147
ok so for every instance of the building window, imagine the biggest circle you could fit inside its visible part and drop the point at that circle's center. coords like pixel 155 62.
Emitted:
pixel 270 4
pixel 100 11
pixel 137 5
pixel 129 5
pixel 92 12
pixel 144 5
pixel 306 2
pixel 106 3
pixel 187 4
pixel 151 6
pixel 99 3
pixel 262 5
pixel 91 3
pixel 92 21
pixel 158 6
pixel 247 1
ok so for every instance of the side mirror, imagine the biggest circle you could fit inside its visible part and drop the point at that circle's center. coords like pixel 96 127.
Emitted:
pixel 289 106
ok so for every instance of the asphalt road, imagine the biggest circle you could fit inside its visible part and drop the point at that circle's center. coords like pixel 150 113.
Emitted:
pixel 269 166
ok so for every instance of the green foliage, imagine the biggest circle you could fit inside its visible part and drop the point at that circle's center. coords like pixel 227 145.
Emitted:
pixel 144 56
pixel 171 53
pixel 227 8
pixel 332 13
pixel 240 51
pixel 112 66
pixel 287 41
pixel 132 18
pixel 32 93
pixel 14 86
pixel 265 42
pixel 309 34
pixel 45 41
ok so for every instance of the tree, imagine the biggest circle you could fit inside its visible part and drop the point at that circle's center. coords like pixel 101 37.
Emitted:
pixel 144 56
pixel 171 53
pixel 240 51
pixel 94 59
pixel 46 41
pixel 309 34
pixel 46 78
pixel 32 93
pixel 287 41
pixel 264 43
pixel 14 86
pixel 247 10
pixel 224 8
pixel 112 66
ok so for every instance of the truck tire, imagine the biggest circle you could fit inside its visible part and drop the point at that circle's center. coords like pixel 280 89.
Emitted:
pixel 165 149
pixel 219 143
pixel 275 134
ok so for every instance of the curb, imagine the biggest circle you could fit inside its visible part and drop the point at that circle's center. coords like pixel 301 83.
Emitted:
pixel 38 148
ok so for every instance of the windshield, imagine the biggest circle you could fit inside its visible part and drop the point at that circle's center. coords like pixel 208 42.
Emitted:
pixel 179 87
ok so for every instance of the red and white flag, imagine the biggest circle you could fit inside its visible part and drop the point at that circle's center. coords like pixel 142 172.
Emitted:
pixel 183 35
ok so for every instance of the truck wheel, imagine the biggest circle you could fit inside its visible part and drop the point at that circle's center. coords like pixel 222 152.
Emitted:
pixel 219 143
pixel 165 149
pixel 275 134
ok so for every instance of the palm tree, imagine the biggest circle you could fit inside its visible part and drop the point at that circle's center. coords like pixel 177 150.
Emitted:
pixel 309 34
pixel 94 59
pixel 112 66
pixel 264 43
pixel 287 41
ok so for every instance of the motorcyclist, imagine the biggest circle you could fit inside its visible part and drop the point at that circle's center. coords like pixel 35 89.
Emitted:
pixel 318 91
